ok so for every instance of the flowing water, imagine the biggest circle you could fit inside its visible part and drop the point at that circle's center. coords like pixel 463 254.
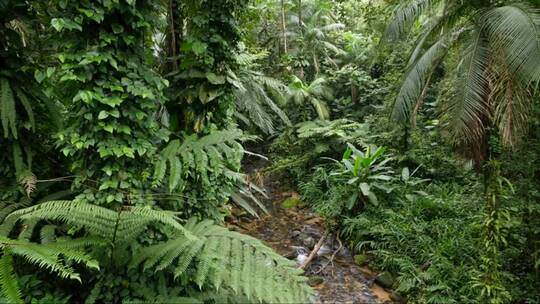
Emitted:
pixel 294 232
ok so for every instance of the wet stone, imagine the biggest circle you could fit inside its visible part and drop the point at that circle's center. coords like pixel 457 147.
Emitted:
pixel 315 280
pixel 397 297
pixel 294 232
pixel 309 242
pixel 385 279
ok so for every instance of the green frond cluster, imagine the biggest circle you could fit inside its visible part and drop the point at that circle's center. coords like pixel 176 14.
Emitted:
pixel 197 157
pixel 344 129
pixel 118 226
pixel 57 257
pixel 498 63
pixel 230 260
pixel 257 93
pixel 8 281
pixel 407 12
pixel 316 93
pixel 7 107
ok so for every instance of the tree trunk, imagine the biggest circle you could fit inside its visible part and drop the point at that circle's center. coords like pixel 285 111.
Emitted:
pixel 174 59
pixel 283 27
pixel 300 17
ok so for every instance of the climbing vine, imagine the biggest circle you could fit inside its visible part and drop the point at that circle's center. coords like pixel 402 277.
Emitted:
pixel 201 96
pixel 111 133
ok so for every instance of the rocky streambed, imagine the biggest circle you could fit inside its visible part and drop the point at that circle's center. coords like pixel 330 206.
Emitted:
pixel 293 231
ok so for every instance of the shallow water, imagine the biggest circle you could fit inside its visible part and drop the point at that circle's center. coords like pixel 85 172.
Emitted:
pixel 293 231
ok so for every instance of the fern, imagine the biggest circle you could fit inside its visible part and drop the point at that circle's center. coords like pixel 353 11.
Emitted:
pixel 197 156
pixel 7 109
pixel 222 258
pixel 50 256
pixel 239 263
pixel 8 282
pixel 195 159
pixel 120 227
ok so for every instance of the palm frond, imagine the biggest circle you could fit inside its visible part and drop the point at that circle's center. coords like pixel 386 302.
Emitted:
pixel 514 30
pixel 404 17
pixel 416 79
pixel 513 106
pixel 467 110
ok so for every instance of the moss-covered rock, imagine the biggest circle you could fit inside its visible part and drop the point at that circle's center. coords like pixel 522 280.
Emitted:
pixel 385 279
pixel 315 280
pixel 291 202
pixel 361 259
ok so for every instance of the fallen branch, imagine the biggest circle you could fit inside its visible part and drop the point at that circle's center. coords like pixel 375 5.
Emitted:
pixel 331 258
pixel 314 251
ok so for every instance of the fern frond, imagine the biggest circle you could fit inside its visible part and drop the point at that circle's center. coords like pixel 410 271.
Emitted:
pixel 8 280
pixel 221 257
pixel 196 154
pixel 7 108
pixel 47 234
pixel 100 221
pixel 27 107
pixel 53 257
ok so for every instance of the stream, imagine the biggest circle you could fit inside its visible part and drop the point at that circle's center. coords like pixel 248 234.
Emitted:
pixel 294 231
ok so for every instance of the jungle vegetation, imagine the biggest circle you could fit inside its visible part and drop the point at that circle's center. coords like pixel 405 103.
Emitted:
pixel 411 127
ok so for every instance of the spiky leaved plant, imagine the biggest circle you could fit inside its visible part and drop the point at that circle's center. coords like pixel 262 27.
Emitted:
pixel 495 79
pixel 497 69
pixel 216 259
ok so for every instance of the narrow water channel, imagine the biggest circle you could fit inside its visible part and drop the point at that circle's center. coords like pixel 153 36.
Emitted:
pixel 293 232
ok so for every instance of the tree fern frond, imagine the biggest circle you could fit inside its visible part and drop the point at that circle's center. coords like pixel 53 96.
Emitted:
pixel 100 221
pixel 27 107
pixel 8 280
pixel 258 92
pixel 47 234
pixel 7 109
pixel 321 108
pixel 225 257
pixel 49 256
pixel 28 229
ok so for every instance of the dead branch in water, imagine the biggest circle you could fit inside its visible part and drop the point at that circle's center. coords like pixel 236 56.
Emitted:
pixel 314 251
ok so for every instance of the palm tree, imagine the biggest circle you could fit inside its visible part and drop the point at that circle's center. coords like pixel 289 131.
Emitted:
pixel 498 66
pixel 314 93
pixel 315 23
pixel 495 75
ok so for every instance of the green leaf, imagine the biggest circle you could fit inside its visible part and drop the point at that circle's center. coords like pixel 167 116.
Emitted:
pixel 39 76
pixel 108 128
pixel 58 24
pixel 103 114
pixel 373 199
pixel 405 174
pixel 365 188
pixel 352 200
pixel 215 79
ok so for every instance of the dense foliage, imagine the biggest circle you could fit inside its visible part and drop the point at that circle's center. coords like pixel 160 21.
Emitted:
pixel 411 127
